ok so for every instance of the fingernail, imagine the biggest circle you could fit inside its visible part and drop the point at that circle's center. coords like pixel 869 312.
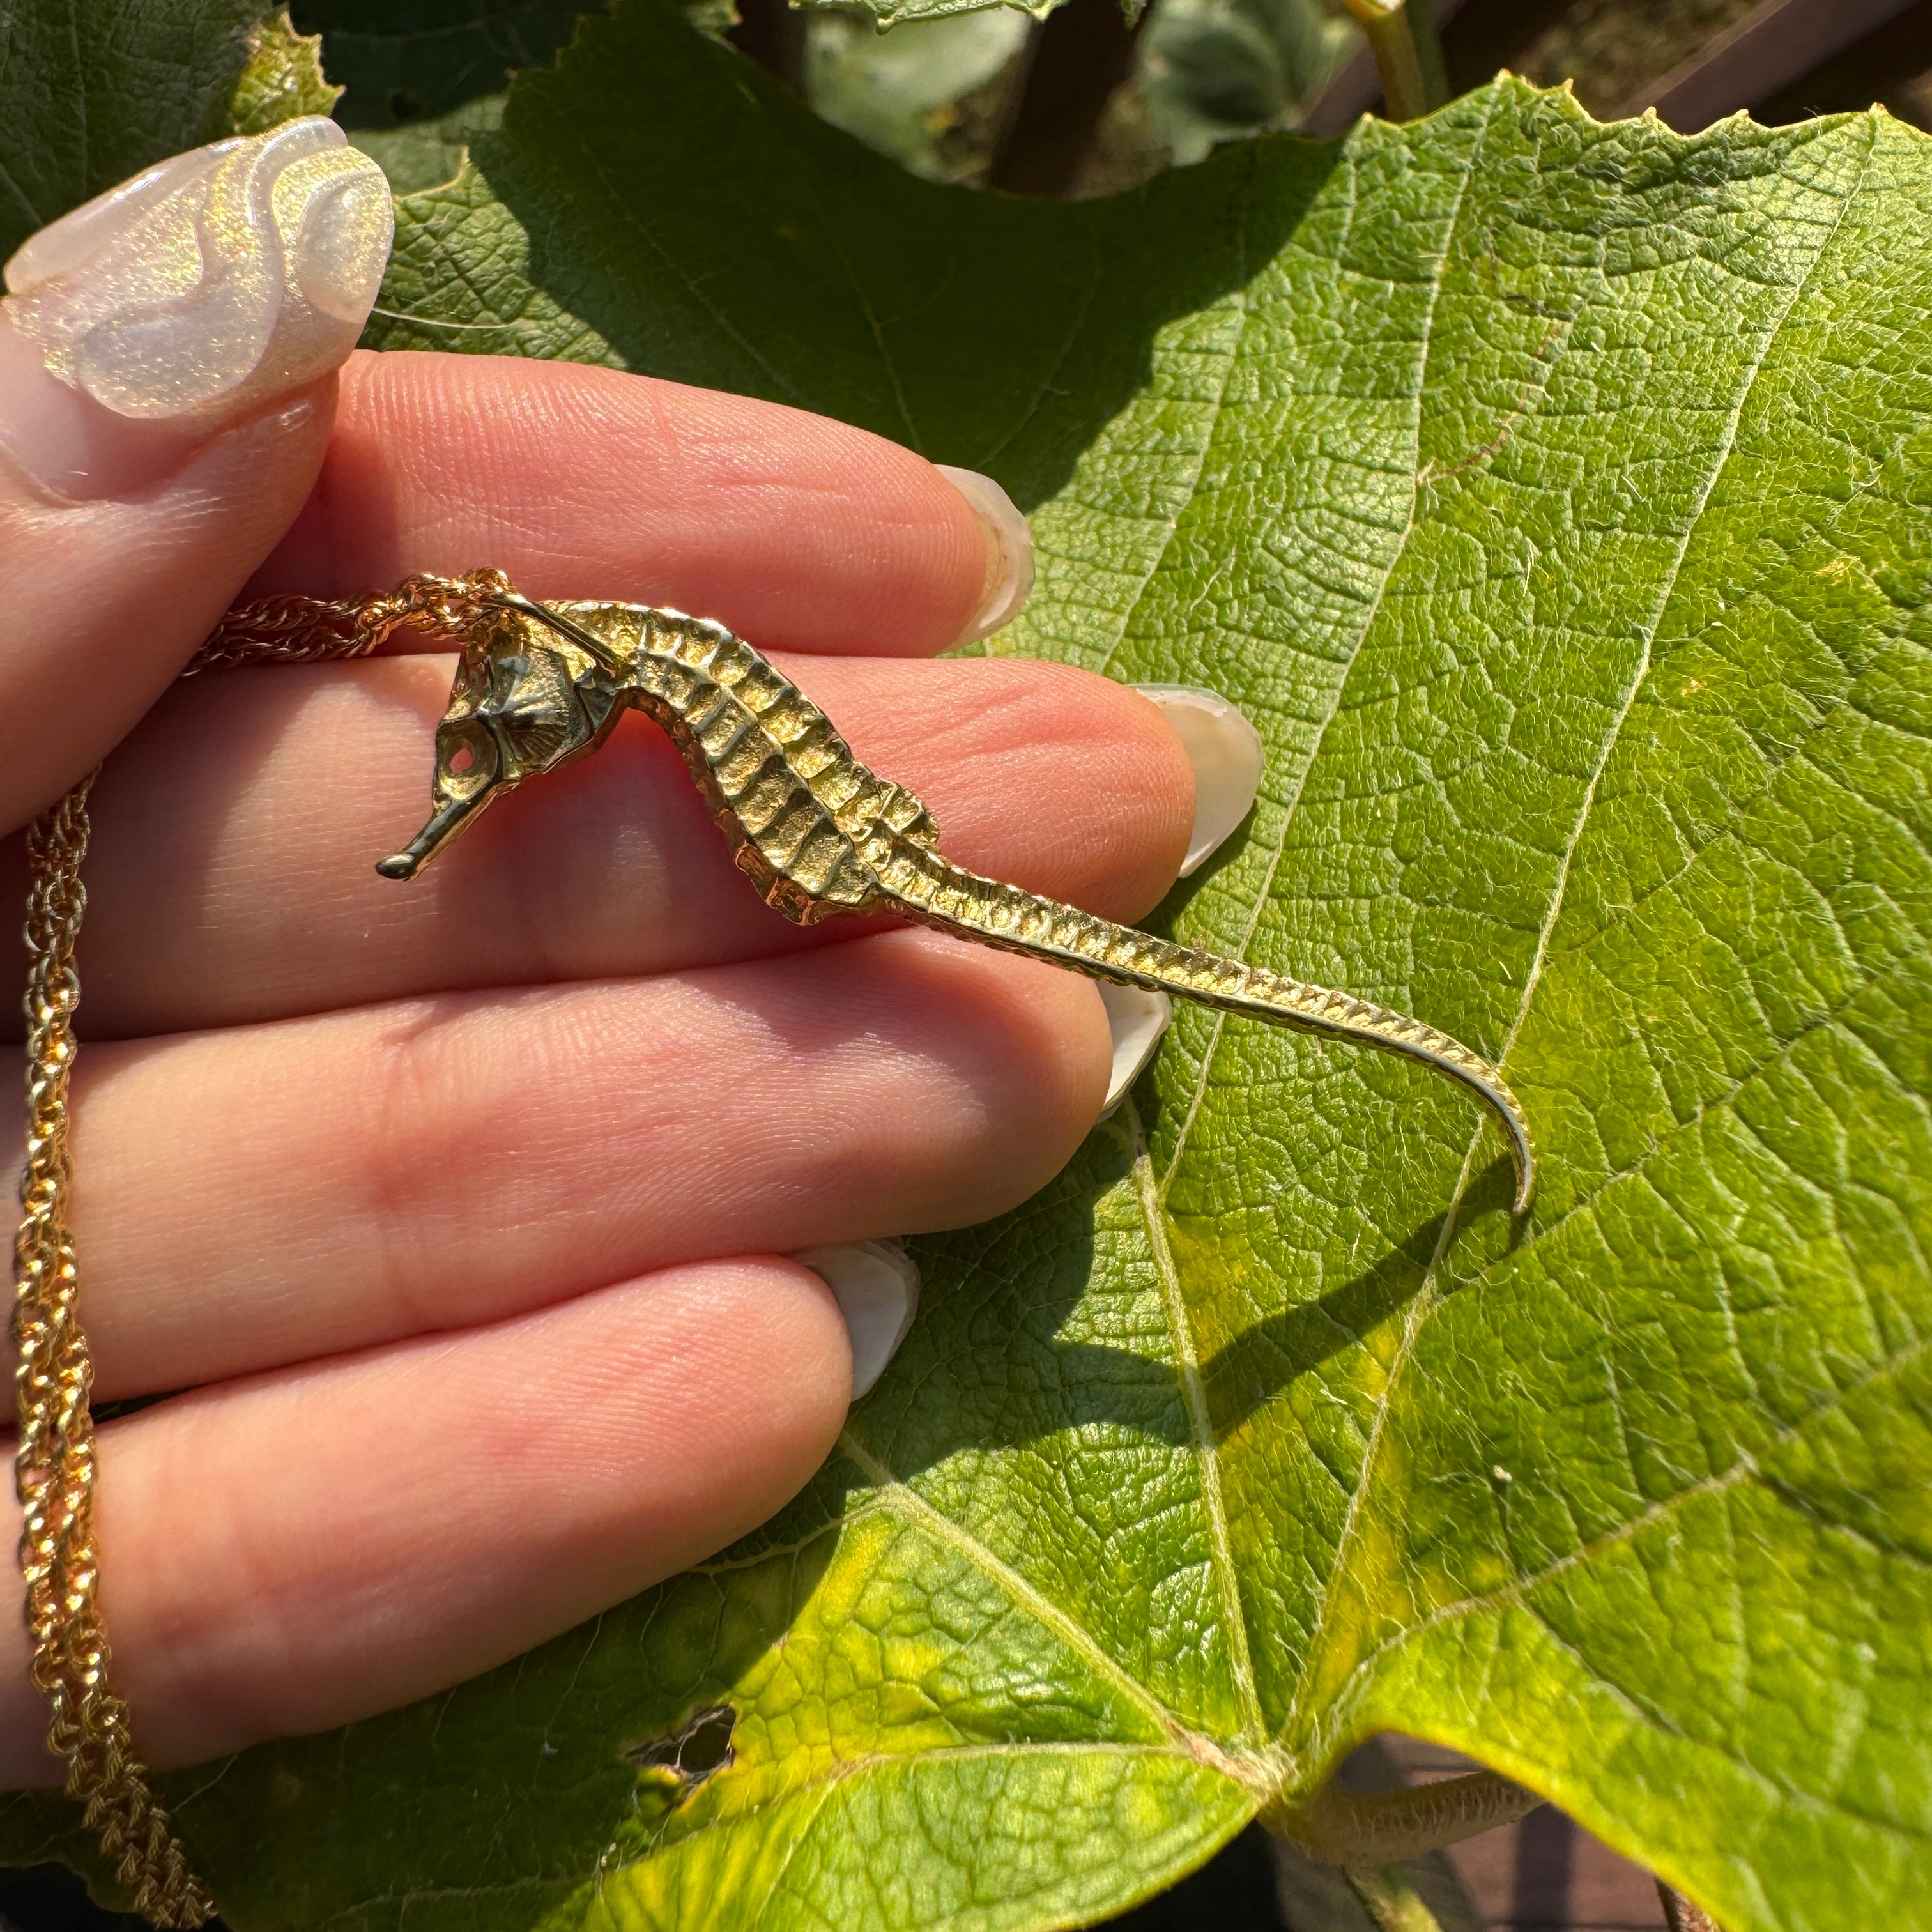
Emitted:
pixel 876 1285
pixel 1009 548
pixel 1225 751
pixel 1136 1019
pixel 184 298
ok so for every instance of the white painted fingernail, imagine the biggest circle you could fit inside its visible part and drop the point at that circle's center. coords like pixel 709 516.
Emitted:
pixel 189 296
pixel 876 1285
pixel 1136 1019
pixel 1008 550
pixel 1225 751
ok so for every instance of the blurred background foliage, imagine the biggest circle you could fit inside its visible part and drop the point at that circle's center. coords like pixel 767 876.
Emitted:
pixel 1091 101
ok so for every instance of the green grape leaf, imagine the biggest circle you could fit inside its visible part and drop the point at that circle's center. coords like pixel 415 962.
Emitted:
pixel 426 154
pixel 1552 497
pixel 282 80
pixel 94 91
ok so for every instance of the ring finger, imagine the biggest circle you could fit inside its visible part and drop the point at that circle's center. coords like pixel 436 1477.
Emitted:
pixel 429 1164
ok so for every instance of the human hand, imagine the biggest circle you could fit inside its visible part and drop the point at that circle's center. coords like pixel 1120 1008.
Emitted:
pixel 464 1209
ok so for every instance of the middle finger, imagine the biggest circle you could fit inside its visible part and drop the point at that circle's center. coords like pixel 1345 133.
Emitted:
pixel 231 878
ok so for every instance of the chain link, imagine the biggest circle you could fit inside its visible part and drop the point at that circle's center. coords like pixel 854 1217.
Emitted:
pixel 305 630
pixel 54 1468
pixel 54 1472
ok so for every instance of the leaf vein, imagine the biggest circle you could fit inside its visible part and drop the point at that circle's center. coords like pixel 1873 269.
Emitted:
pixel 900 1495
pixel 1194 1394
pixel 1345 664
pixel 1746 1468
pixel 1206 443
pixel 1426 1299
pixel 1830 1021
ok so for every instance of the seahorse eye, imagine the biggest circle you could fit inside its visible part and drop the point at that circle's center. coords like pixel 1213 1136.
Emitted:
pixel 466 757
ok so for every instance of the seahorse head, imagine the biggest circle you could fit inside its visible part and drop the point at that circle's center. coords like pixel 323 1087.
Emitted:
pixel 527 699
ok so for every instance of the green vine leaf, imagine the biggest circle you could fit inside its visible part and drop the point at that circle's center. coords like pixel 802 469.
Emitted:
pixel 1551 495
pixel 283 79
pixel 94 91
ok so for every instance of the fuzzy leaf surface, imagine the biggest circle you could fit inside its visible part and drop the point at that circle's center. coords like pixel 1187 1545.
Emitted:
pixel 1552 497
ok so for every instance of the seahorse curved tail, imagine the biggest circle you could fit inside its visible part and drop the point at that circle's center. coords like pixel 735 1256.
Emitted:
pixel 930 889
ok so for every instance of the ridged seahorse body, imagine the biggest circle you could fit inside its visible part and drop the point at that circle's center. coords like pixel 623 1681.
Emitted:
pixel 819 834
pixel 815 831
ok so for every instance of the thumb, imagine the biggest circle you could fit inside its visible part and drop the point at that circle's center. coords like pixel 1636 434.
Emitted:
pixel 167 383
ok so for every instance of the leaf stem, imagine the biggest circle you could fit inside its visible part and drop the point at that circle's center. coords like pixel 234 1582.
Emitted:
pixel 1394 1904
pixel 1075 58
pixel 772 32
pixel 1364 1830
pixel 1409 54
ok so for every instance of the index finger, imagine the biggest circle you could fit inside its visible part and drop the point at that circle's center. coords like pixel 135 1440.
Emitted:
pixel 797 531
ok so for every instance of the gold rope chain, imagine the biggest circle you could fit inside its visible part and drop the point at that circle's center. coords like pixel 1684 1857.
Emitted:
pixel 55 1470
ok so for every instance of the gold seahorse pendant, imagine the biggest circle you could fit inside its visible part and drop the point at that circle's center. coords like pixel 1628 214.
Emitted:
pixel 815 832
